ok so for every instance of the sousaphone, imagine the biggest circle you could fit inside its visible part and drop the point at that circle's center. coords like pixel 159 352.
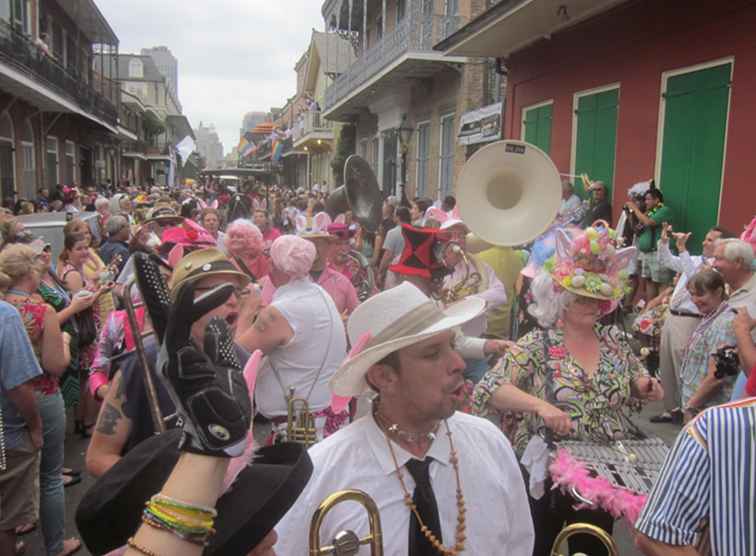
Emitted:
pixel 508 193
pixel 359 194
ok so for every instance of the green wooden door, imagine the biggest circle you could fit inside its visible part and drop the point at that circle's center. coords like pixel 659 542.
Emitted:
pixel 537 122
pixel 695 119
pixel 596 137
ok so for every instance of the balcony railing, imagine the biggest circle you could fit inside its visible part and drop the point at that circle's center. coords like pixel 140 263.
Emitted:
pixel 417 32
pixel 311 122
pixel 99 98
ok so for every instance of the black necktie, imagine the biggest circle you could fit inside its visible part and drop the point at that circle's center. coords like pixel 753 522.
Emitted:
pixel 425 502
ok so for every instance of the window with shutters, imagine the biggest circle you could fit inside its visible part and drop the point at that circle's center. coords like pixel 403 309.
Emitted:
pixel 446 159
pixel 423 157
pixel 536 125
pixel 27 148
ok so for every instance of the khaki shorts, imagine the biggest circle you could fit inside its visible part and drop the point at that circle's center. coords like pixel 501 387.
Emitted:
pixel 19 488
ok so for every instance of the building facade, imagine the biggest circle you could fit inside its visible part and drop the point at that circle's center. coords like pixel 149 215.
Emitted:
pixel 405 99
pixel 58 113
pixel 632 90
pixel 209 146
pixel 167 64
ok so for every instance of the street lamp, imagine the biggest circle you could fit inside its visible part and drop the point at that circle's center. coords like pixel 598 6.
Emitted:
pixel 405 134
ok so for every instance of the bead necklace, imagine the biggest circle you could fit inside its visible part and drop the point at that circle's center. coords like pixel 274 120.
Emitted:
pixel 459 536
pixel 410 437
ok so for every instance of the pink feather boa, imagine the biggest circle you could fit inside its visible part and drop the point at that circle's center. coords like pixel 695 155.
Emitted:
pixel 567 472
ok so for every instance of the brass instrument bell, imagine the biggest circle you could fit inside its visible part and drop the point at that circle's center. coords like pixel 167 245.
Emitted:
pixel 347 543
pixel 300 424
pixel 360 194
pixel 584 529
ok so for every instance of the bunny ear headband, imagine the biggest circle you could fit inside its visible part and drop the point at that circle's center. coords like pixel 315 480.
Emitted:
pixel 588 263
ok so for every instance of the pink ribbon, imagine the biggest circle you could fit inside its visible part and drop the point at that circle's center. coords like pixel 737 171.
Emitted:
pixel 339 403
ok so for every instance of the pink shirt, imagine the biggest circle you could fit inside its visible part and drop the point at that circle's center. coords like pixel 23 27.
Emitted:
pixel 270 236
pixel 338 287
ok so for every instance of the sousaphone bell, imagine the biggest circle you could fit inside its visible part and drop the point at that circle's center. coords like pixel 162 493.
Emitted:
pixel 359 194
pixel 508 193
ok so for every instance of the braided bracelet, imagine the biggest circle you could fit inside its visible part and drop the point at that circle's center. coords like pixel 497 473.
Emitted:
pixel 163 500
pixel 142 550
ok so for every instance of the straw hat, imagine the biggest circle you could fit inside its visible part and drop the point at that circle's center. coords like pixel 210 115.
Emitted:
pixel 390 321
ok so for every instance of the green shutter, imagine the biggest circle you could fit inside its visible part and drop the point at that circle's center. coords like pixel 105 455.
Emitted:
pixel 596 137
pixel 695 119
pixel 537 124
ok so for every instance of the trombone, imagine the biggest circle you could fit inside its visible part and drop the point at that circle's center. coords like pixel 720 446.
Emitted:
pixel 584 529
pixel 347 543
pixel 149 384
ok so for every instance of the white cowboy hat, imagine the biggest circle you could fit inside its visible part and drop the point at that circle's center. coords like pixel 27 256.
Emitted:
pixel 394 319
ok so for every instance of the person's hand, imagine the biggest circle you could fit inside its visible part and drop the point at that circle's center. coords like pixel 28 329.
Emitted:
pixel 499 347
pixel 207 385
pixel 36 437
pixel 681 239
pixel 555 419
pixel 649 388
pixel 742 324
pixel 81 303
pixel 666 229
pixel 632 206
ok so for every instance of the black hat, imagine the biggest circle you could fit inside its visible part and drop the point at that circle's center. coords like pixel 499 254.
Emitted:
pixel 263 492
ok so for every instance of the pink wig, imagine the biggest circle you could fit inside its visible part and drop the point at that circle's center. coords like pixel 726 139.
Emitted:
pixel 253 239
pixel 293 255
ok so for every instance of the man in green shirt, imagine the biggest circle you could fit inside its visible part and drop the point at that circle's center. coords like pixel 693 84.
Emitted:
pixel 652 274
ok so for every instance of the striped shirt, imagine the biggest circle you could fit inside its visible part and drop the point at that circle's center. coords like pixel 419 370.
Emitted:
pixel 708 479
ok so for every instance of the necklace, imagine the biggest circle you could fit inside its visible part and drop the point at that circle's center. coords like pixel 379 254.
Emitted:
pixel 410 437
pixel 459 536
pixel 18 293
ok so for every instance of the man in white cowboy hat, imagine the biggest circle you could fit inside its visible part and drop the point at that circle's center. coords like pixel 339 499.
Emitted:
pixel 423 463
pixel 489 289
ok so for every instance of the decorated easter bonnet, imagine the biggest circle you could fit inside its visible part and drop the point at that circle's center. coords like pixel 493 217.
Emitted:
pixel 589 263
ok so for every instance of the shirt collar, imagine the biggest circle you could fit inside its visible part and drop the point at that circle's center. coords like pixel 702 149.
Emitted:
pixel 439 450
pixel 750 285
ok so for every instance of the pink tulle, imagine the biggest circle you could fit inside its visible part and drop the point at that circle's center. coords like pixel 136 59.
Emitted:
pixel 339 403
pixel 567 473
pixel 236 465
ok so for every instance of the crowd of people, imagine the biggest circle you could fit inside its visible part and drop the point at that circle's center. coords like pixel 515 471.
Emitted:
pixel 180 329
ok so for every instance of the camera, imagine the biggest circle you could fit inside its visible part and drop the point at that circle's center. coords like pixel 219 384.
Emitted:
pixel 726 361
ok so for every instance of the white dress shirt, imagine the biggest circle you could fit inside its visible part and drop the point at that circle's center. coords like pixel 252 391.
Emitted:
pixel 357 457
pixel 686 265
pixel 494 295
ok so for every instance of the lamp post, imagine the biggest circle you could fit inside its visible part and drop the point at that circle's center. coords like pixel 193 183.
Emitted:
pixel 405 134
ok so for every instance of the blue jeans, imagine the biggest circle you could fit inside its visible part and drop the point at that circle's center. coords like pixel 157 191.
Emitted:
pixel 52 508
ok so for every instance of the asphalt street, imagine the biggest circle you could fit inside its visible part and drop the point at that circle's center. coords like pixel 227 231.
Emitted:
pixel 76 447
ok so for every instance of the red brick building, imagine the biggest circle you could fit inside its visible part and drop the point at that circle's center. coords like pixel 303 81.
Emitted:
pixel 629 90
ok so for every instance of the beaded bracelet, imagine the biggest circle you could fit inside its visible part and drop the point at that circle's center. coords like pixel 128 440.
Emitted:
pixel 163 500
pixel 188 528
pixel 142 550
pixel 199 540
pixel 183 520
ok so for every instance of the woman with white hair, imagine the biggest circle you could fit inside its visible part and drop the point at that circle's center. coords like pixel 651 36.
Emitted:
pixel 244 245
pixel 303 337
pixel 575 375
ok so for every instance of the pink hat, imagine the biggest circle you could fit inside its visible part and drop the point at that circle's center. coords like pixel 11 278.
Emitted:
pixel 293 255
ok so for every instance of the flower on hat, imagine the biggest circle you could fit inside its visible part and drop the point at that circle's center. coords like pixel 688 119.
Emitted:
pixel 589 263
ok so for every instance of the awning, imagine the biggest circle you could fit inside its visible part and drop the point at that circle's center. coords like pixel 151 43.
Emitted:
pixel 481 125
pixel 134 155
pixel 123 132
pixel 512 25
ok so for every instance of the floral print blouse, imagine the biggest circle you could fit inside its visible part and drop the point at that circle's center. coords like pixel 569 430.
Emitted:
pixel 595 403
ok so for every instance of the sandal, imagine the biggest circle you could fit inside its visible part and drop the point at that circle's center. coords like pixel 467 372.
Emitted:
pixel 25 529
pixel 674 416
pixel 71 472
pixel 71 480
pixel 70 546
pixel 20 548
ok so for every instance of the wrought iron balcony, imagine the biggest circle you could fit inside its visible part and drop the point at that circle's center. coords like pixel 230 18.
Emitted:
pixel 311 126
pixel 93 93
pixel 416 33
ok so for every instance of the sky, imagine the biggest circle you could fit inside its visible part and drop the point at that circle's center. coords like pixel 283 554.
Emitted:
pixel 235 56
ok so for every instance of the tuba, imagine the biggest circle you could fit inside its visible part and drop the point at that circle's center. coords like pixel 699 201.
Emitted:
pixel 363 277
pixel 585 529
pixel 359 194
pixel 471 284
pixel 508 193
pixel 347 543
pixel 300 424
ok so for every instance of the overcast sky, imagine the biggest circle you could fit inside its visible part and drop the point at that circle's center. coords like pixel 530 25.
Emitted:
pixel 234 56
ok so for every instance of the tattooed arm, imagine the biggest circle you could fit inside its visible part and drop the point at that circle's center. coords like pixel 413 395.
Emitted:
pixel 270 330
pixel 112 430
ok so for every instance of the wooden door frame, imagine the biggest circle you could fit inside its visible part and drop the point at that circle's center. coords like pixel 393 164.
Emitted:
pixel 417 157
pixel 575 102
pixel 535 106
pixel 665 76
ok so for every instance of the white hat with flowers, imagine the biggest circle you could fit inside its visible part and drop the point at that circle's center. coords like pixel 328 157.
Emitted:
pixel 590 262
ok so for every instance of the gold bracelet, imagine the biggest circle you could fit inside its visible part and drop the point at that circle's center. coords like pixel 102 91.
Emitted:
pixel 146 551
